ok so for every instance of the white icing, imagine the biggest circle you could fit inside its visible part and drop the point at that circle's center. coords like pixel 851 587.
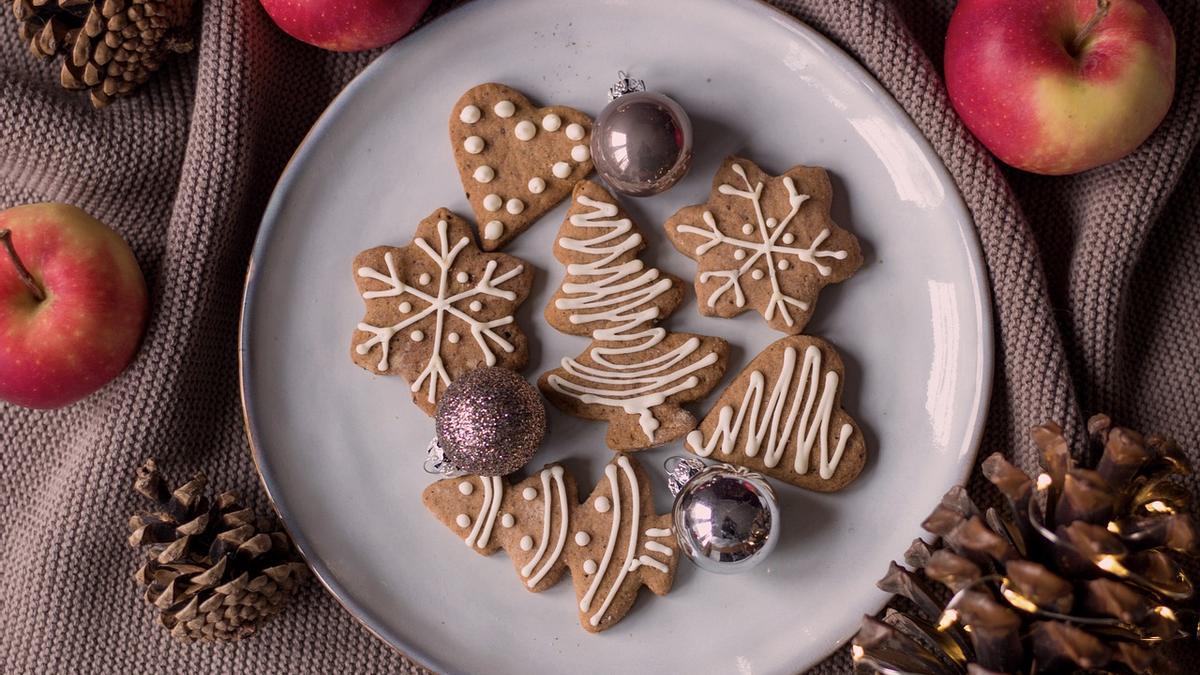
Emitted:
pixel 507 520
pixel 453 338
pixel 493 230
pixel 462 520
pixel 612 294
pixel 788 238
pixel 405 307
pixel 514 206
pixel 561 169
pixel 462 277
pixel 610 472
pixel 492 202
pixel 555 473
pixel 537 185
pixel 658 532
pixel 493 494
pixel 484 174
pixel 469 114
pixel 473 145
pixel 416 336
pixel 648 562
pixel 424 279
pixel 580 153
pixel 575 131
pixel 475 306
pixel 782 265
pixel 802 425
pixel 529 494
pixel 765 245
pixel 739 254
pixel 635 524
pixel 525 130
pixel 504 109
pixel 582 538
pixel 466 487
pixel 526 543
pixel 589 567
pixel 441 305
pixel 603 504
pixel 551 122
pixel 659 548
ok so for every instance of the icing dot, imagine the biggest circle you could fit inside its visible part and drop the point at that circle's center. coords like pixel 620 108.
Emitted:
pixel 405 307
pixel 466 487
pixel 537 185
pixel 475 305
pixel 424 278
pixel 462 277
pixel 580 153
pixel 416 336
pixel 473 145
pixel 756 274
pixel 602 504
pixel 589 567
pixel 507 520
pixel 469 114
pixel 739 254
pixel 526 543
pixel 782 264
pixel 484 174
pixel 453 338
pixel 514 206
pixel 788 237
pixel 551 122
pixel 492 202
pixel 505 109
pixel 747 229
pixel 493 230
pixel 583 538
pixel 525 130
pixel 771 222
pixel 462 520
pixel 561 169
pixel 529 494
pixel 574 132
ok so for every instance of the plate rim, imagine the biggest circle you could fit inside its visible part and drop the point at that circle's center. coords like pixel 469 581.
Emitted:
pixel 760 9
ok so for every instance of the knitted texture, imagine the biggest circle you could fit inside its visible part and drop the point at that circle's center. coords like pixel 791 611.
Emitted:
pixel 1096 286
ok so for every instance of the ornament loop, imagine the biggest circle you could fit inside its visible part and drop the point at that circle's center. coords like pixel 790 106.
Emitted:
pixel 625 85
pixel 436 463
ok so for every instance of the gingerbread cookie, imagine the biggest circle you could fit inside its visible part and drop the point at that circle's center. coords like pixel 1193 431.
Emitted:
pixel 613 543
pixel 438 308
pixel 782 417
pixel 634 375
pixel 765 242
pixel 516 160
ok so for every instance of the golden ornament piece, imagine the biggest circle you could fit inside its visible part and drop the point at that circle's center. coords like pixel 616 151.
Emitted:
pixel 214 569
pixel 1084 574
pixel 109 47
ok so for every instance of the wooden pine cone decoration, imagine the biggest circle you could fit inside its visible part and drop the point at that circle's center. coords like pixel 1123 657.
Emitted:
pixel 109 47
pixel 1082 575
pixel 214 569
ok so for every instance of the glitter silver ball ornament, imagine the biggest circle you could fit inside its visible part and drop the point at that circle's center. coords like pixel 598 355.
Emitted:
pixel 489 422
pixel 642 140
pixel 726 517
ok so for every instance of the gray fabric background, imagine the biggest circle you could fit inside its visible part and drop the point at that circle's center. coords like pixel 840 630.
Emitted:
pixel 1096 280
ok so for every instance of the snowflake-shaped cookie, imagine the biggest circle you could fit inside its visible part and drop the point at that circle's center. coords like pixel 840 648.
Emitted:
pixel 765 242
pixel 438 308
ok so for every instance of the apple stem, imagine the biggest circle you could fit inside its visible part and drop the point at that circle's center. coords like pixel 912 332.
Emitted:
pixel 22 271
pixel 1102 7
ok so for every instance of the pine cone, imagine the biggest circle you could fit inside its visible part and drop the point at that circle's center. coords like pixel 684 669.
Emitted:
pixel 108 46
pixel 214 569
pixel 1082 575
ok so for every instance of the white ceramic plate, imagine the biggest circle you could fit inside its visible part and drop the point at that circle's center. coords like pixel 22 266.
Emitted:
pixel 340 449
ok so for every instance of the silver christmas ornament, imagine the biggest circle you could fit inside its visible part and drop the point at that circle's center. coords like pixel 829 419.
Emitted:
pixel 642 140
pixel 726 517
pixel 488 422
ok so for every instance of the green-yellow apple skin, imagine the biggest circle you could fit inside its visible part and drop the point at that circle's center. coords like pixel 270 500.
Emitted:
pixel 1045 100
pixel 62 348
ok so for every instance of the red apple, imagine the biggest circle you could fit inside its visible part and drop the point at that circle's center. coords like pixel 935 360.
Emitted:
pixel 72 305
pixel 346 25
pixel 1060 86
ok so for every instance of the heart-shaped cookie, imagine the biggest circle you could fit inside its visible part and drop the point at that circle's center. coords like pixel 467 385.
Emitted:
pixel 516 160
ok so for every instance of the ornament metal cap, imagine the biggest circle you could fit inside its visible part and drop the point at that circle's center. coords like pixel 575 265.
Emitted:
pixel 726 517
pixel 625 85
